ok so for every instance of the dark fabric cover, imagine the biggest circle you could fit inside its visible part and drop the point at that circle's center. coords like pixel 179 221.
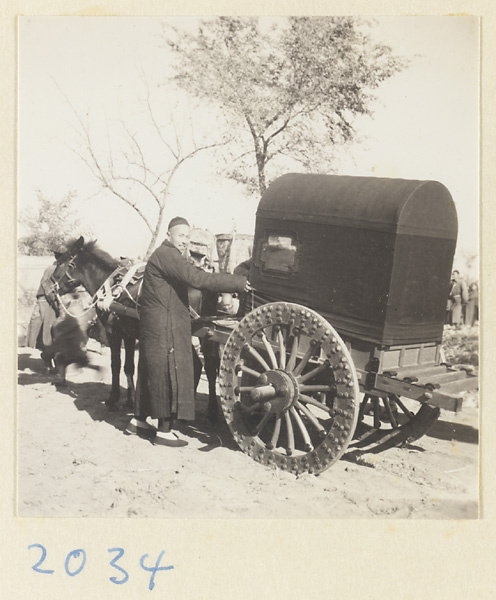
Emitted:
pixel 165 368
pixel 371 255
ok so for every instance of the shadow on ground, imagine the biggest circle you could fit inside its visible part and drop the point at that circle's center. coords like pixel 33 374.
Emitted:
pixel 91 396
pixel 446 430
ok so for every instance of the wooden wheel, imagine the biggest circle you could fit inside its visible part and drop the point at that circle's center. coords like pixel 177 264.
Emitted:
pixel 388 420
pixel 289 390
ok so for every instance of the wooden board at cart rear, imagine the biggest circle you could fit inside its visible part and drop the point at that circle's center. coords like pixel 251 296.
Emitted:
pixel 372 255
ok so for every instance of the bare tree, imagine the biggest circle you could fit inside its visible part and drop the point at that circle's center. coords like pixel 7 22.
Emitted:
pixel 139 168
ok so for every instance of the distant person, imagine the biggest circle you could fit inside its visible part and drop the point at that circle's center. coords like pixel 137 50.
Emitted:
pixel 165 389
pixel 39 334
pixel 458 297
pixel 472 309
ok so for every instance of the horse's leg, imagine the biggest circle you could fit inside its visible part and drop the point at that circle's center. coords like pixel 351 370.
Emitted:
pixel 129 347
pixel 114 340
pixel 61 368
pixel 212 364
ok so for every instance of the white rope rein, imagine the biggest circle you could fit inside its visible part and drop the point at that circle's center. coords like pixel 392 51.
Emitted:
pixel 68 312
pixel 106 293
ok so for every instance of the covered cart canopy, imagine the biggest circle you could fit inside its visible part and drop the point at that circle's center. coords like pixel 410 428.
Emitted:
pixel 372 255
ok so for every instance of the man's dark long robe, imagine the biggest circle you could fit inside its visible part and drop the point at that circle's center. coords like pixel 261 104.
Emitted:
pixel 165 368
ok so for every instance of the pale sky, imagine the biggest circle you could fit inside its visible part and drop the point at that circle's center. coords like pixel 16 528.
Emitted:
pixel 425 125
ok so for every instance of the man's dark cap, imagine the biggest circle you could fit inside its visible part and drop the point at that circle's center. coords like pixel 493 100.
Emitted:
pixel 178 221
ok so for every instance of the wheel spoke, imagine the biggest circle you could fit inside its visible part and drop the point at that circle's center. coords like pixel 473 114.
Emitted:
pixel 304 361
pixel 294 353
pixel 252 407
pixel 313 402
pixel 390 412
pixel 275 434
pixel 248 370
pixel 407 412
pixel 313 373
pixel 377 421
pixel 289 427
pixel 363 407
pixel 262 423
pixel 313 420
pixel 315 388
pixel 257 356
pixel 282 350
pixel 303 429
pixel 270 350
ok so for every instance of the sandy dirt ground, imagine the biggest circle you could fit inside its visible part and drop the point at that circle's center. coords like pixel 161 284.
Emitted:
pixel 73 459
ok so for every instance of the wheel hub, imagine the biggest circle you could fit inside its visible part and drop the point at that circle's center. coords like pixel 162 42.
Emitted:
pixel 278 388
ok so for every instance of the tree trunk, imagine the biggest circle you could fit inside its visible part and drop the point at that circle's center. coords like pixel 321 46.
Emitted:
pixel 153 241
pixel 261 172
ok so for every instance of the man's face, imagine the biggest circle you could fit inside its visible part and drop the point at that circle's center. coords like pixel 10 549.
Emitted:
pixel 454 276
pixel 178 236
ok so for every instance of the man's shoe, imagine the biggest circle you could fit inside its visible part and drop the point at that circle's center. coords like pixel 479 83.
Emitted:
pixel 140 428
pixel 168 438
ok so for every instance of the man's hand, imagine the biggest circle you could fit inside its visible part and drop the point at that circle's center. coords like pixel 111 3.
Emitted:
pixel 248 287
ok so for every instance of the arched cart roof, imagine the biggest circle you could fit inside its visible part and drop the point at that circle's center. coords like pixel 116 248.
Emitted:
pixel 400 205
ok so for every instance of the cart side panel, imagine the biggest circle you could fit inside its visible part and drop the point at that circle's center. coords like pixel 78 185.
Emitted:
pixel 336 270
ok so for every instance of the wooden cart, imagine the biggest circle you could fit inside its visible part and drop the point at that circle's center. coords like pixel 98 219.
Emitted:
pixel 351 278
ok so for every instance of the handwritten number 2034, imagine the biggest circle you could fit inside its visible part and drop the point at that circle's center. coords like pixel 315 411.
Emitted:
pixel 76 560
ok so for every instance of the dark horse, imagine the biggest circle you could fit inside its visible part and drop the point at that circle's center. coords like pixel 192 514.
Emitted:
pixel 90 266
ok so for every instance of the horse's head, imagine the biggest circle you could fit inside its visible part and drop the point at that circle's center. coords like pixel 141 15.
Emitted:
pixel 66 276
pixel 83 264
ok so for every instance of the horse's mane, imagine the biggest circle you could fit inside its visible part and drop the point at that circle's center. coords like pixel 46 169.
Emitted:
pixel 91 253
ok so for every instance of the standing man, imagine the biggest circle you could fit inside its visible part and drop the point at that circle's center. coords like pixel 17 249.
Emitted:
pixel 458 297
pixel 165 388
pixel 39 332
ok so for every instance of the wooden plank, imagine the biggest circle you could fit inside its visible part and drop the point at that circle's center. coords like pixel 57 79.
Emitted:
pixel 451 403
pixel 463 385
pixel 443 377
pixel 430 369
pixel 418 392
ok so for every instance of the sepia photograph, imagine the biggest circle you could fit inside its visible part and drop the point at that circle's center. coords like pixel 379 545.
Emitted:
pixel 248 267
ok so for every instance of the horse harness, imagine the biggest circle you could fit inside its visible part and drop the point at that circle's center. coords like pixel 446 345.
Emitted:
pixel 107 296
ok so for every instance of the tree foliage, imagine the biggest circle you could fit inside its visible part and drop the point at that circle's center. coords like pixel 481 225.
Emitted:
pixel 48 225
pixel 290 90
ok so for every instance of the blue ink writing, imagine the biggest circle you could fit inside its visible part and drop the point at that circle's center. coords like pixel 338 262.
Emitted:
pixel 120 552
pixel 80 553
pixel 75 562
pixel 43 556
pixel 154 569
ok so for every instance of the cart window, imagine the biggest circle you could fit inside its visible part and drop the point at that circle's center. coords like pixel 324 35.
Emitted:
pixel 279 254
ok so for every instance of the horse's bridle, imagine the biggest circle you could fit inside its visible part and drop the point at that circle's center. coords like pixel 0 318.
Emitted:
pixel 97 296
pixel 55 288
pixel 71 264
